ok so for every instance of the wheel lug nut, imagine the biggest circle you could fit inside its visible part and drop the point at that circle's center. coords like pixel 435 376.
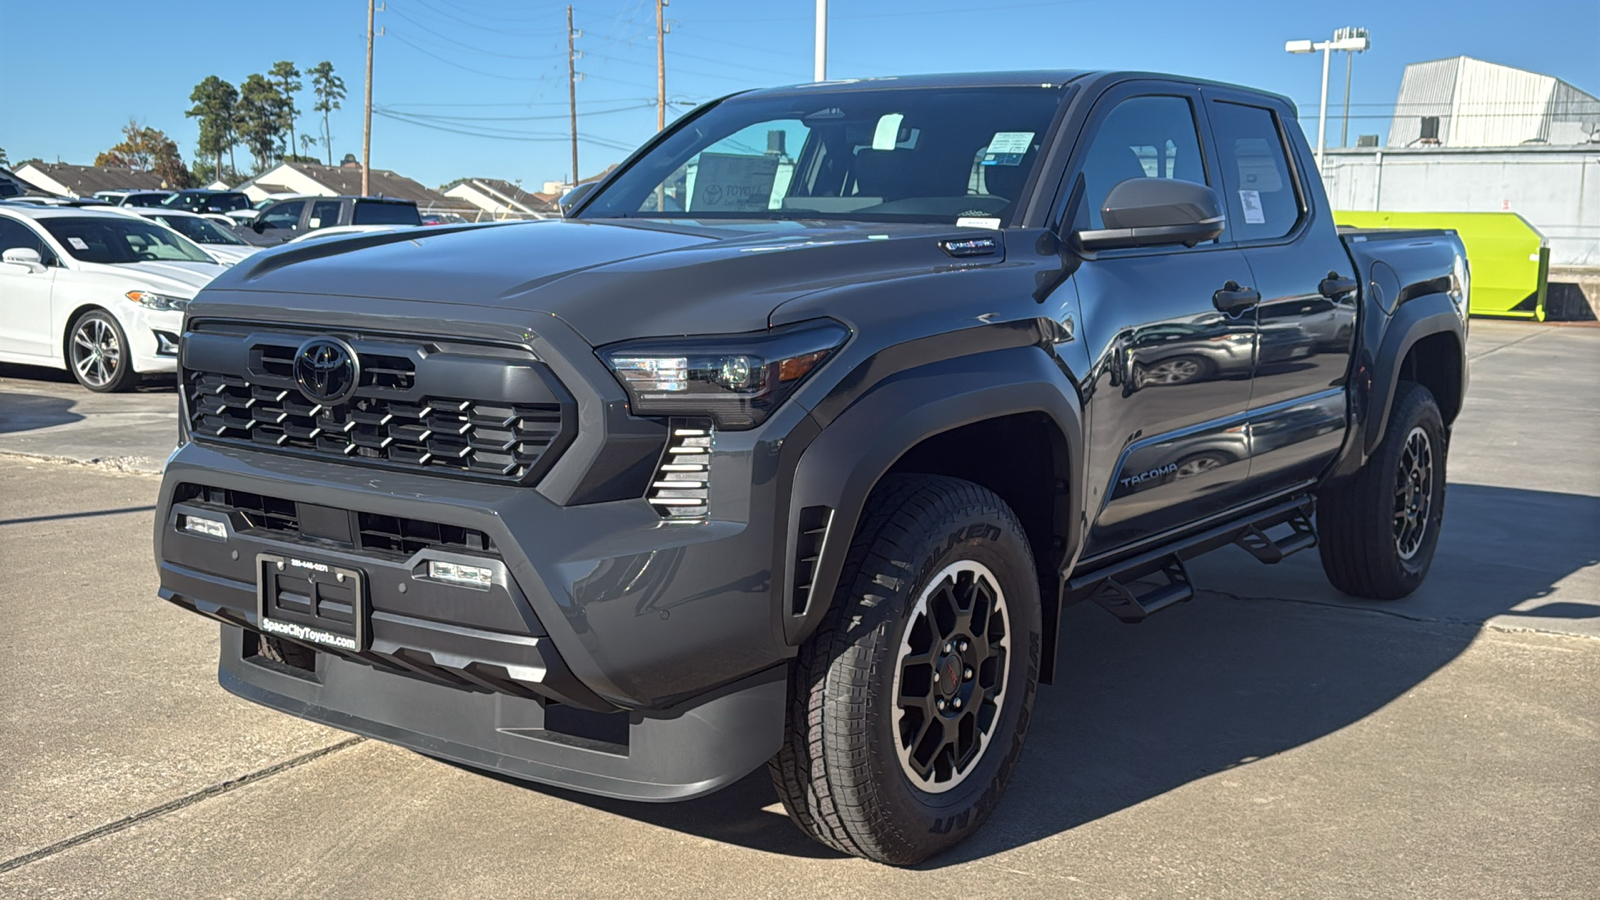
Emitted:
pixel 956 702
pixel 947 646
pixel 966 674
pixel 939 703
pixel 963 646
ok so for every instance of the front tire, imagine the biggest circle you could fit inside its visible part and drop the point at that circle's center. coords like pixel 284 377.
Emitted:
pixel 98 354
pixel 1379 529
pixel 909 706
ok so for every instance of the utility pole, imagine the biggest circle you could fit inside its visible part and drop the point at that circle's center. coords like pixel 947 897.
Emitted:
pixel 1348 34
pixel 661 66
pixel 820 70
pixel 572 93
pixel 366 129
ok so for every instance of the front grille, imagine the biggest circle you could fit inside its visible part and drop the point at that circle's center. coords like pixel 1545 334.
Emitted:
pixel 444 409
pixel 391 535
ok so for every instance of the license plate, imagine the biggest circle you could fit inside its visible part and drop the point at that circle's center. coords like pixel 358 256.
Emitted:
pixel 312 601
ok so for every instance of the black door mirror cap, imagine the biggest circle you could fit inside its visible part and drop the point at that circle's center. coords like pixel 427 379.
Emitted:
pixel 1151 212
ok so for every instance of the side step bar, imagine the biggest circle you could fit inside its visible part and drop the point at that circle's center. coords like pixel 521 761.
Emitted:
pixel 1124 587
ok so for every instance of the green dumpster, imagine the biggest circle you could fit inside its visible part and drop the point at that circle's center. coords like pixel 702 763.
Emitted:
pixel 1510 259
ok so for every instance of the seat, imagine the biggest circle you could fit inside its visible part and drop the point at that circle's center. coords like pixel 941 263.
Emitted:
pixel 889 174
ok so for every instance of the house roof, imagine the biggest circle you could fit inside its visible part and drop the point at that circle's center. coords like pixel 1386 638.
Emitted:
pixel 346 181
pixel 84 181
pixel 507 193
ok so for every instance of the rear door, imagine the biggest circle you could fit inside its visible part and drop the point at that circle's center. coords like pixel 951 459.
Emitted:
pixel 1170 379
pixel 1278 216
pixel 25 328
pixel 324 214
pixel 278 222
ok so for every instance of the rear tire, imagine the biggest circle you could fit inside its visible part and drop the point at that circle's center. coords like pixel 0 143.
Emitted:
pixel 909 706
pixel 1378 530
pixel 98 355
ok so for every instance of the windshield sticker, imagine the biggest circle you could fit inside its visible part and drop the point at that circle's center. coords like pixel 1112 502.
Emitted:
pixel 77 243
pixel 726 182
pixel 1007 148
pixel 887 133
pixel 1251 201
pixel 977 222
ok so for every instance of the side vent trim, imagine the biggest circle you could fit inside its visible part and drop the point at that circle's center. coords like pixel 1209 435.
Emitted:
pixel 809 541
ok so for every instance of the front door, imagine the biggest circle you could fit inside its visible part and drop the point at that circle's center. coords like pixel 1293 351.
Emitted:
pixel 25 327
pixel 1170 380
pixel 1307 313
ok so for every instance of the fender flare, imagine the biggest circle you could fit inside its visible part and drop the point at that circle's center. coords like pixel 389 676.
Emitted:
pixel 840 467
pixel 1414 320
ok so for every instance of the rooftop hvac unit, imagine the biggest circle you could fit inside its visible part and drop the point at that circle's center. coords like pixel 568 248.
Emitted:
pixel 1366 140
pixel 1430 130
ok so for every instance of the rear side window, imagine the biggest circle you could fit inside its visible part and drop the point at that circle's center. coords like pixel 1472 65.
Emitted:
pixel 369 213
pixel 324 214
pixel 14 235
pixel 1263 202
pixel 1143 137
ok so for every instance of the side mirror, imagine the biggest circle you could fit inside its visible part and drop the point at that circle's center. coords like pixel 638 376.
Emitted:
pixel 572 198
pixel 1152 212
pixel 258 226
pixel 27 257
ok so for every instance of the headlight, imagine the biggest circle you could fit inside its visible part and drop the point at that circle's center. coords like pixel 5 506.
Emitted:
pixel 1461 284
pixel 737 379
pixel 152 300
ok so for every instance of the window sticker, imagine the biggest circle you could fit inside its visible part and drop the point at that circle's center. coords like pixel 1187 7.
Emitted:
pixel 77 243
pixel 1251 201
pixel 1007 148
pixel 977 222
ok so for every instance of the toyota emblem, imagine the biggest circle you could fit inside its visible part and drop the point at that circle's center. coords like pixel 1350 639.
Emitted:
pixel 326 369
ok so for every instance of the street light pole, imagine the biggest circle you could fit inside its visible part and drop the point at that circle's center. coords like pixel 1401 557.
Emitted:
pixel 1353 40
pixel 820 70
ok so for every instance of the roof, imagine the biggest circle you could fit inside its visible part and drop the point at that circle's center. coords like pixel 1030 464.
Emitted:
pixel 85 180
pixel 346 181
pixel 35 211
pixel 1026 78
pixel 507 193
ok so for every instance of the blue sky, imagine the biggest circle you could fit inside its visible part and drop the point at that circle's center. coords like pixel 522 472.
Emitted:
pixel 497 67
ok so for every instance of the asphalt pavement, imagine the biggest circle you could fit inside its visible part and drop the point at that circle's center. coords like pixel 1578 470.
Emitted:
pixel 1268 739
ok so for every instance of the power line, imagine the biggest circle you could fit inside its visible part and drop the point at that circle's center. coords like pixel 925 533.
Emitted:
pixel 451 62
pixel 474 49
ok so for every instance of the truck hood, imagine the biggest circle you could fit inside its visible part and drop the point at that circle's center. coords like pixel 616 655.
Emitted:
pixel 609 279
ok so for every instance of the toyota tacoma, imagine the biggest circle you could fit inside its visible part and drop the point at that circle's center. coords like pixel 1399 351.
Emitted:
pixel 791 440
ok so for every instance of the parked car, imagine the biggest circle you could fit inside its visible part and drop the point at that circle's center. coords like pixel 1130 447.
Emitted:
pixel 219 241
pixel 287 219
pixel 97 292
pixel 205 201
pixel 748 463
pixel 133 198
pixel 438 218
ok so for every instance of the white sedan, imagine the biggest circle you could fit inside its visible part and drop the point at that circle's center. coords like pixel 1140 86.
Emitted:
pixel 96 292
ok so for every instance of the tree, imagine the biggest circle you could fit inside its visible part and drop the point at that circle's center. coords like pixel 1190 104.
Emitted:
pixel 329 89
pixel 6 162
pixel 216 106
pixel 146 149
pixel 287 80
pixel 260 119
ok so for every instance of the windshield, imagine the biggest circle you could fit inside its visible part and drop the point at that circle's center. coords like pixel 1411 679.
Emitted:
pixel 145 200
pixel 899 155
pixel 368 212
pixel 201 231
pixel 104 239
pixel 201 201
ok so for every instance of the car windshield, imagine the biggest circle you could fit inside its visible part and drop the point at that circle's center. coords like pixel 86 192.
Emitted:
pixel 368 212
pixel 197 201
pixel 108 239
pixel 897 155
pixel 201 231
pixel 144 200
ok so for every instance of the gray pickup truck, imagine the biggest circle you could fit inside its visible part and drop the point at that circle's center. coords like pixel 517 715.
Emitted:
pixel 791 441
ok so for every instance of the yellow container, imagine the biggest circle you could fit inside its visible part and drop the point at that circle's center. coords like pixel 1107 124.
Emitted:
pixel 1510 259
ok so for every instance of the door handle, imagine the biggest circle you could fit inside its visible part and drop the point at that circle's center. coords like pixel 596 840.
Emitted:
pixel 1335 286
pixel 1233 298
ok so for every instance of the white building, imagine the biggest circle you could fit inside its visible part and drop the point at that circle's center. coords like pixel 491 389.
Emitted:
pixel 1466 102
pixel 500 199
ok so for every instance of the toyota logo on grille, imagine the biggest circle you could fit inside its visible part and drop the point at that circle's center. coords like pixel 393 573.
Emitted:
pixel 326 369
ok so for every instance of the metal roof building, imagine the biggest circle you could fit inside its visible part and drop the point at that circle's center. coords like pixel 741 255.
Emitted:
pixel 1466 102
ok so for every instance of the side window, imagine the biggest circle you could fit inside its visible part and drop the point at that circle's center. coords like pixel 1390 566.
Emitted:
pixel 283 216
pixel 1262 200
pixel 324 214
pixel 1143 137
pixel 14 234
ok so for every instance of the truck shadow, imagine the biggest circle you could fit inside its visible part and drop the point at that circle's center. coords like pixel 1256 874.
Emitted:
pixel 1222 681
pixel 28 412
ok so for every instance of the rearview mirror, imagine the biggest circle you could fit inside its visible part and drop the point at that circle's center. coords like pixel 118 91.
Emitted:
pixel 1151 212
pixel 27 257
pixel 571 198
